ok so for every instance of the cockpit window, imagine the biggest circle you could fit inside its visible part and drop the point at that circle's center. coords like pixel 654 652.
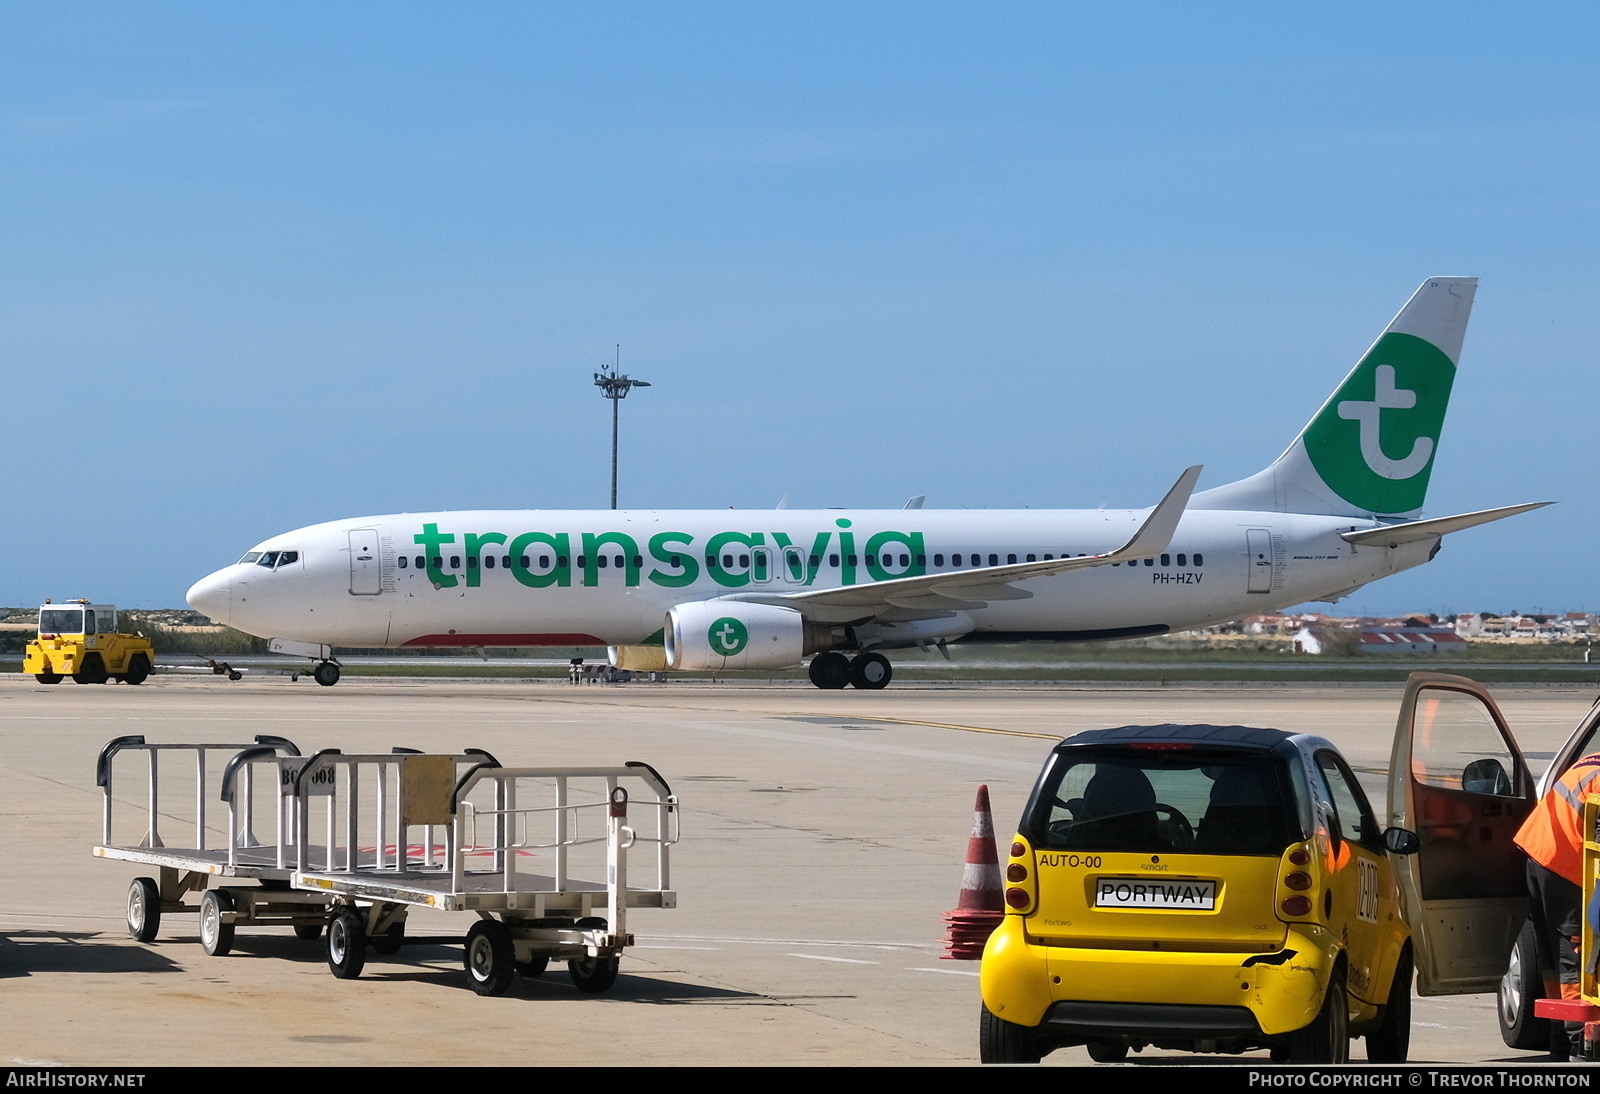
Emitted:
pixel 285 558
pixel 269 559
pixel 249 558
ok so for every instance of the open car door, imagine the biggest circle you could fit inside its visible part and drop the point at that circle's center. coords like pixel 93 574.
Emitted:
pixel 1457 779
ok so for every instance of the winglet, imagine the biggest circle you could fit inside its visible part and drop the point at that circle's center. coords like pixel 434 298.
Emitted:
pixel 1157 530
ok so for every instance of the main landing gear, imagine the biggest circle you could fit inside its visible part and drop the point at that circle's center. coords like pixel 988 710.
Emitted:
pixel 868 671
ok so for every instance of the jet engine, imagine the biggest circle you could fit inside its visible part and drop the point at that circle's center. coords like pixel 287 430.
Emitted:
pixel 731 634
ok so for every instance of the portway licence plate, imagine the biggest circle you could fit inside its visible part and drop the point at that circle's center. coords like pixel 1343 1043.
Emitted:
pixel 1177 894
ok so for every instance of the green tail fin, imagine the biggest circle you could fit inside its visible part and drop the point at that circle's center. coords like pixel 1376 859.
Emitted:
pixel 1370 450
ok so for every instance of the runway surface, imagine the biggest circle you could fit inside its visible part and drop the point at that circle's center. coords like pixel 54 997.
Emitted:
pixel 822 838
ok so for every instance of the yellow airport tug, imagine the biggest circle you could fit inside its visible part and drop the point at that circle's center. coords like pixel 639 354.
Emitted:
pixel 80 640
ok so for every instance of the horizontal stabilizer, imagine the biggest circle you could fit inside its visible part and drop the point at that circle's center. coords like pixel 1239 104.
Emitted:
pixel 1395 534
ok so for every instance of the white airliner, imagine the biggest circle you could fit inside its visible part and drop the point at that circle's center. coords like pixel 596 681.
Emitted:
pixel 721 589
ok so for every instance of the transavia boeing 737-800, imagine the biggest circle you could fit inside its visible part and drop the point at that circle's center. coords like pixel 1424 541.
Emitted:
pixel 699 590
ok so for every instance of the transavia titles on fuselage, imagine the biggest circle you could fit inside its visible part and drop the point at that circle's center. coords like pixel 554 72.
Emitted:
pixel 699 590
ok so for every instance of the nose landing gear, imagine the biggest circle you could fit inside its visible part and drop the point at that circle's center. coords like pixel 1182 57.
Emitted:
pixel 833 670
pixel 326 673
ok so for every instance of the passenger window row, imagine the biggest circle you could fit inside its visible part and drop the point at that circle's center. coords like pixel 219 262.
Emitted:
pixel 957 561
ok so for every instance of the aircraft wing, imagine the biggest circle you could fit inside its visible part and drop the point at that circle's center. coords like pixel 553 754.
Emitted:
pixel 1393 535
pixel 967 590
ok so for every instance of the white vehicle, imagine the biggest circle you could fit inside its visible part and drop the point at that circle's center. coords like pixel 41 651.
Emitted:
pixel 714 589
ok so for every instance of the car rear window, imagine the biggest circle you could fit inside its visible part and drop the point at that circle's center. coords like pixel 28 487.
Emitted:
pixel 1154 798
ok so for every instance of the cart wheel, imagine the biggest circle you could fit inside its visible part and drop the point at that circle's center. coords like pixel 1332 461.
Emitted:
pixel 390 941
pixel 144 909
pixel 47 677
pixel 534 966
pixel 216 936
pixel 490 957
pixel 307 931
pixel 593 974
pixel 347 944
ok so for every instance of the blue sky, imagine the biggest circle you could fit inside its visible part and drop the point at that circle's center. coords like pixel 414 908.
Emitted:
pixel 267 265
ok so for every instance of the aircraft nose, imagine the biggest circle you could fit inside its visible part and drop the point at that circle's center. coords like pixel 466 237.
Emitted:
pixel 213 596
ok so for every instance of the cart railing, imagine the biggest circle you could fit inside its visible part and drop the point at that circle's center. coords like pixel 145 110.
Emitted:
pixel 409 790
pixel 268 748
pixel 516 830
pixel 560 824
pixel 238 790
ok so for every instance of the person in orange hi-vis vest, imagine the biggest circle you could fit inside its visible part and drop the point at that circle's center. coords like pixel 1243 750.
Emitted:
pixel 1553 838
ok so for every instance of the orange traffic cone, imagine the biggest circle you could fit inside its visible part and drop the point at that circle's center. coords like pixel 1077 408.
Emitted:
pixel 981 907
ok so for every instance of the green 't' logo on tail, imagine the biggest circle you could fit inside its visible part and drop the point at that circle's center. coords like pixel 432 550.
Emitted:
pixel 1374 442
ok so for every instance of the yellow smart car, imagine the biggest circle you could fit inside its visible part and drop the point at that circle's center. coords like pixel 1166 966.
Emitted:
pixel 1208 888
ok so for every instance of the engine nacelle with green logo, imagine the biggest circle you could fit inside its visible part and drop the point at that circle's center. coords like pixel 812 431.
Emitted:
pixel 723 634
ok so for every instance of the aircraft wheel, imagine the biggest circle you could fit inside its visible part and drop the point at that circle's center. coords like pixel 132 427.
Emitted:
pixel 871 671
pixel 830 671
pixel 326 674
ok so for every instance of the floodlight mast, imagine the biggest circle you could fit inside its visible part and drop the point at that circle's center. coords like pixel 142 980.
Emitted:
pixel 615 386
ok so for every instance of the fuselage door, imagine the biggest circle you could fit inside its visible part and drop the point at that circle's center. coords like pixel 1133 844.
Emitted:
pixel 760 565
pixel 1457 779
pixel 1259 543
pixel 366 571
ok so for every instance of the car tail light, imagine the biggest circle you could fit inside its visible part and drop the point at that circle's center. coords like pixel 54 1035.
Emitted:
pixel 1298 880
pixel 1022 876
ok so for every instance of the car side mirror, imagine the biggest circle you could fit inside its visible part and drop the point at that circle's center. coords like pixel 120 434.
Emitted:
pixel 1400 841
